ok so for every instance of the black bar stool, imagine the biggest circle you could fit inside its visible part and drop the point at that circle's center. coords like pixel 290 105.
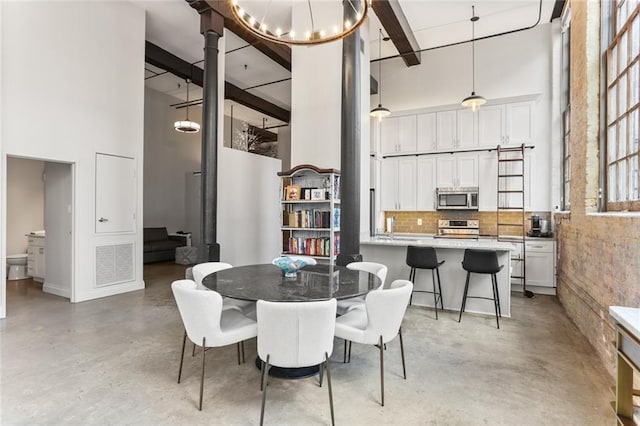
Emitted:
pixel 482 262
pixel 425 258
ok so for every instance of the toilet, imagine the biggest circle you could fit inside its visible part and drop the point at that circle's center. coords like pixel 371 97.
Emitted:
pixel 17 266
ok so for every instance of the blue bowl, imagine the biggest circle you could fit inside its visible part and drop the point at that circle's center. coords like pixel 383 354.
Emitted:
pixel 289 266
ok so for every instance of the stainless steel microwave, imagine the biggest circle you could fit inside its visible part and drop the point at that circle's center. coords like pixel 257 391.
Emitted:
pixel 457 198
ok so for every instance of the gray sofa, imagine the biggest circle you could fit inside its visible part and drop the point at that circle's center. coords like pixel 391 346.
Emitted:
pixel 159 246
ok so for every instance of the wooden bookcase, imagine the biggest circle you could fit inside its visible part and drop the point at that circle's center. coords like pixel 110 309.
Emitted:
pixel 310 213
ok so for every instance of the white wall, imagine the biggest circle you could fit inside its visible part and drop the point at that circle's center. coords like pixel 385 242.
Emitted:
pixel 25 202
pixel 58 221
pixel 72 86
pixel 168 156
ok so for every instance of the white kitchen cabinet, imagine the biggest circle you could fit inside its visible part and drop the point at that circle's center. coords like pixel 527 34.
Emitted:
pixel 487 181
pixel 36 257
pixel 539 263
pixel 456 129
pixel 505 124
pixel 426 132
pixel 398 184
pixel 398 134
pixel 457 170
pixel 426 184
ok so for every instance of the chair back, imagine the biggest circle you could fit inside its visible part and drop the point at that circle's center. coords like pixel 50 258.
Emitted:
pixel 374 268
pixel 481 261
pixel 201 270
pixel 295 334
pixel 422 257
pixel 200 311
pixel 385 311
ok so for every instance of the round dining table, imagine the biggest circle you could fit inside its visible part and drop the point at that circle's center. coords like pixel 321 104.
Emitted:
pixel 311 283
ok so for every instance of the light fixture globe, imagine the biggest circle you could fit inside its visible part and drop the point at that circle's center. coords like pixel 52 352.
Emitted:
pixel 186 126
pixel 380 112
pixel 473 102
pixel 317 21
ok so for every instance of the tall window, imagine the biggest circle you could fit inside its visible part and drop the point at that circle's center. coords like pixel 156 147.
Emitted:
pixel 565 106
pixel 623 106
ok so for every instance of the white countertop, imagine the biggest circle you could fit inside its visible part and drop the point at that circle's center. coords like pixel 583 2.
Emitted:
pixel 627 317
pixel 406 240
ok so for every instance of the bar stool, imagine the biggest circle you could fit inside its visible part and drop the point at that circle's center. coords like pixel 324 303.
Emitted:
pixel 425 258
pixel 482 262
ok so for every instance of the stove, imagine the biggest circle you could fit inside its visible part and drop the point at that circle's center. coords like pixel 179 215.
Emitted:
pixel 462 229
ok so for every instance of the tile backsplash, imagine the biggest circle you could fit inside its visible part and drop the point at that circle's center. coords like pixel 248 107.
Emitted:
pixel 407 222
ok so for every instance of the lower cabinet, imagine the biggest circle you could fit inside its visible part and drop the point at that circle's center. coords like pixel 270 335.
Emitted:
pixel 35 258
pixel 539 266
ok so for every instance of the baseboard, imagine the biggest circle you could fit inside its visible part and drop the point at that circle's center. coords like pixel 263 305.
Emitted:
pixel 57 290
pixel 111 290
pixel 550 291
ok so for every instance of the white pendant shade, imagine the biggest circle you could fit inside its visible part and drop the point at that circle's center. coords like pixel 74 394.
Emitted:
pixel 473 102
pixel 380 112
pixel 186 126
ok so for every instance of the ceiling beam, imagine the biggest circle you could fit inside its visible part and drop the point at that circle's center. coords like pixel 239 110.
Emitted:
pixel 157 56
pixel 397 27
pixel 279 53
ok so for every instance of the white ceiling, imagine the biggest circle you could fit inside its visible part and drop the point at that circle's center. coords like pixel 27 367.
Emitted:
pixel 175 26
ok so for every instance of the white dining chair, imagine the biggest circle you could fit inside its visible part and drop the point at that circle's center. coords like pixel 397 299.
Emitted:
pixel 295 335
pixel 377 269
pixel 206 324
pixel 379 323
pixel 201 270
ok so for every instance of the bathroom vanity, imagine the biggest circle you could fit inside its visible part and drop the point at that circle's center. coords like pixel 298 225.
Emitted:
pixel 35 260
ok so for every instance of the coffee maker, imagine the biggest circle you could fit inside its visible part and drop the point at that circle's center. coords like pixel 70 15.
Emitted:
pixel 535 226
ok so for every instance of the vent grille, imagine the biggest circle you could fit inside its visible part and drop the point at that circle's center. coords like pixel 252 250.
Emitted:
pixel 114 264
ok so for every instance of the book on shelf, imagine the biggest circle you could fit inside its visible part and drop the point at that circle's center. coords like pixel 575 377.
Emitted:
pixel 336 217
pixel 308 219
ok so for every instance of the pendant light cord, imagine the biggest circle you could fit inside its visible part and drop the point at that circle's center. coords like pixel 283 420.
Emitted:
pixel 473 48
pixel 379 66
pixel 187 99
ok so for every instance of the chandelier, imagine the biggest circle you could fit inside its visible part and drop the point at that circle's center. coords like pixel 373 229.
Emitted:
pixel 300 22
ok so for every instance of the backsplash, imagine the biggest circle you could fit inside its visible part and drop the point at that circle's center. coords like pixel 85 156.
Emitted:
pixel 407 222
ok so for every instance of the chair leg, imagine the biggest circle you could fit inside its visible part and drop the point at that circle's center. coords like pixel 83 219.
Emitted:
pixel 238 352
pixel 202 375
pixel 495 280
pixel 265 379
pixel 321 373
pixel 261 375
pixel 435 298
pixel 193 351
pixel 382 370
pixel 349 358
pixel 184 342
pixel 344 355
pixel 404 368
pixel 326 363
pixel 412 277
pixel 495 300
pixel 439 288
pixel 464 296
pixel 242 349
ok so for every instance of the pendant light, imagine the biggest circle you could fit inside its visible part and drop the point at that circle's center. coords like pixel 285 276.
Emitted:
pixel 380 112
pixel 187 126
pixel 474 101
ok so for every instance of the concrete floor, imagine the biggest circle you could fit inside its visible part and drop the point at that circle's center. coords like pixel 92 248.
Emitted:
pixel 114 361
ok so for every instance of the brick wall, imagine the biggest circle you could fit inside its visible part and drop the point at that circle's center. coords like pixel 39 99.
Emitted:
pixel 598 254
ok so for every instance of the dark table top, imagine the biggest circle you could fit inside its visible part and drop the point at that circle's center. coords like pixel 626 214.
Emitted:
pixel 266 282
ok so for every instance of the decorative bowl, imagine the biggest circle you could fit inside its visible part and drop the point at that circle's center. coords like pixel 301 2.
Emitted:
pixel 289 266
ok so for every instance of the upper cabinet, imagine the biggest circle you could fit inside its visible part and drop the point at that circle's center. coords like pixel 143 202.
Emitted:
pixel 398 184
pixel 507 124
pixel 455 129
pixel 398 134
pixel 427 134
pixel 454 171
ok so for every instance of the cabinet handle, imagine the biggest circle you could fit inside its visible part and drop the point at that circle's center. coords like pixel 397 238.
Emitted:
pixel 103 219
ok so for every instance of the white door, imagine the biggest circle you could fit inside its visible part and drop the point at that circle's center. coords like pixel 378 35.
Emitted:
pixel 389 135
pixel 446 170
pixel 389 184
pixel 491 126
pixel 467 167
pixel 426 128
pixel 519 123
pixel 465 128
pixel 115 194
pixel 446 129
pixel 407 183
pixel 426 184
pixel 407 133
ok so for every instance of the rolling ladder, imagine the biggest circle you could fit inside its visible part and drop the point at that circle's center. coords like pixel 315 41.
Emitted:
pixel 510 211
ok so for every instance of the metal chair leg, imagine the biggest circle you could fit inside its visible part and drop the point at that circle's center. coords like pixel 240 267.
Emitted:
pixel 404 369
pixel 321 373
pixel 495 301
pixel 326 363
pixel 193 351
pixel 238 352
pixel 261 375
pixel 265 378
pixel 439 288
pixel 344 355
pixel 382 370
pixel 184 342
pixel 202 375
pixel 350 343
pixel 435 294
pixel 495 280
pixel 412 277
pixel 464 297
pixel 242 349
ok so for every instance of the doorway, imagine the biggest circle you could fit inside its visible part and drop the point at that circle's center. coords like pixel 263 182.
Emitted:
pixel 39 228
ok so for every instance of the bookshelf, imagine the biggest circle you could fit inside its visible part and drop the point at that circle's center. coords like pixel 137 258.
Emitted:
pixel 310 212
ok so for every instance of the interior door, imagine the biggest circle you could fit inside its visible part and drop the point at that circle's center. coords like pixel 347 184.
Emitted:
pixel 115 194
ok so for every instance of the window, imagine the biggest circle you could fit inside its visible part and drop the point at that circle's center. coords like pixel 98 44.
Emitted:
pixel 566 109
pixel 566 166
pixel 623 106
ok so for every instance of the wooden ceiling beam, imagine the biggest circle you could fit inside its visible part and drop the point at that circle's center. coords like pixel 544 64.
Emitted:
pixel 397 27
pixel 279 53
pixel 157 56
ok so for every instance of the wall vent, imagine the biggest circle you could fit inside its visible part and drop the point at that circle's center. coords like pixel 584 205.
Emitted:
pixel 114 264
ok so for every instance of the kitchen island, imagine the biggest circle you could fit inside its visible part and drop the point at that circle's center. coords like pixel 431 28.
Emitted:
pixel 392 251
